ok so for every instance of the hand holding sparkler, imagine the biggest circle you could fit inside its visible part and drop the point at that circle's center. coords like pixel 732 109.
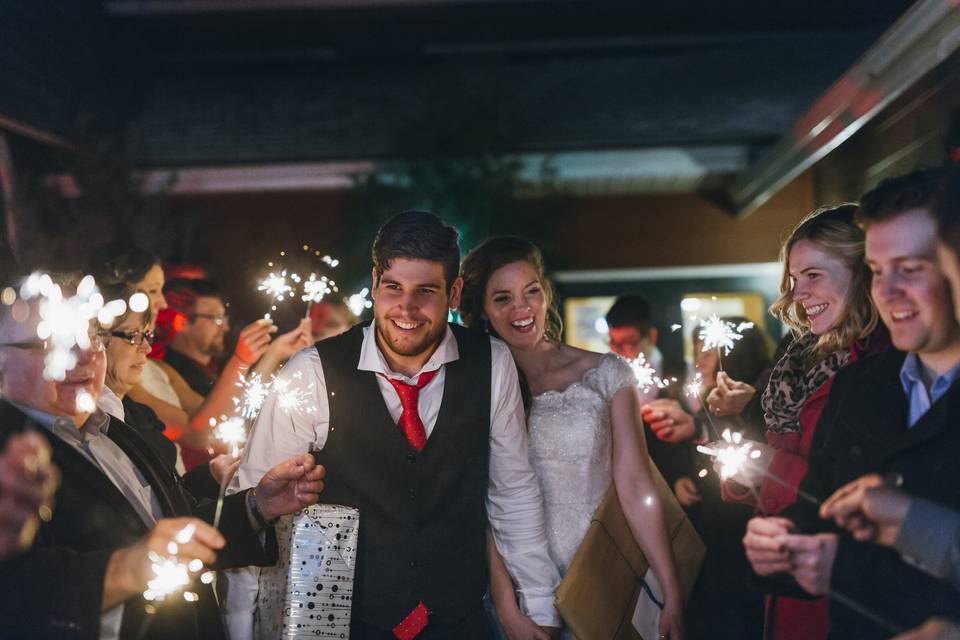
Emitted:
pixel 729 397
pixel 286 345
pixel 668 421
pixel 764 543
pixel 868 508
pixel 290 486
pixel 130 570
pixel 253 341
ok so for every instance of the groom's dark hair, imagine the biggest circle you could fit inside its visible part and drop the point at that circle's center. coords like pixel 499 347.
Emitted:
pixel 417 235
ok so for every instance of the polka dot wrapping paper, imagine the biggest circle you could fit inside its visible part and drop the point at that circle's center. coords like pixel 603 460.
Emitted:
pixel 309 592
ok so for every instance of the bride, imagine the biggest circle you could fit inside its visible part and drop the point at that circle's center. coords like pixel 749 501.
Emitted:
pixel 583 424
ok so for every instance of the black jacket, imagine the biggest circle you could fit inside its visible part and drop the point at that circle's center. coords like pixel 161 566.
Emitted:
pixel 864 429
pixel 54 589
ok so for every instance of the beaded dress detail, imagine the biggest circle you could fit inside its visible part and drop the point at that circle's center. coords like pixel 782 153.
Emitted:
pixel 571 446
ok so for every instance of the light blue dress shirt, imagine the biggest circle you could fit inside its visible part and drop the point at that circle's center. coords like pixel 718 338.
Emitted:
pixel 919 397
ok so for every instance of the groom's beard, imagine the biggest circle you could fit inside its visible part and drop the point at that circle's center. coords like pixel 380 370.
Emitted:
pixel 423 339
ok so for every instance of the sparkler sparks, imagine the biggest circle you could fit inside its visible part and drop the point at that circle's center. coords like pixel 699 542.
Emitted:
pixel 291 397
pixel 733 454
pixel 169 574
pixel 65 323
pixel 315 288
pixel 716 333
pixel 647 377
pixel 254 392
pixel 694 388
pixel 232 432
pixel 276 286
pixel 359 301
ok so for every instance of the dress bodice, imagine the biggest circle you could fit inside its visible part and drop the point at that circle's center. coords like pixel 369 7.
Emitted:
pixel 571 443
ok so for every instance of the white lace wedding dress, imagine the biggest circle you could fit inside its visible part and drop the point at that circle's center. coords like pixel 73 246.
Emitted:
pixel 571 444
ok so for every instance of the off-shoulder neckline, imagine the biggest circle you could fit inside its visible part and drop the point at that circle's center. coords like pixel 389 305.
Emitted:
pixel 604 357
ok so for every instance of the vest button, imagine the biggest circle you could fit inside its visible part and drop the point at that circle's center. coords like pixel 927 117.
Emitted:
pixel 411 457
pixel 413 564
pixel 413 493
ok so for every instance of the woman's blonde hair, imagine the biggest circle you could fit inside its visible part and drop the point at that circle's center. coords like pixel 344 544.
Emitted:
pixel 835 230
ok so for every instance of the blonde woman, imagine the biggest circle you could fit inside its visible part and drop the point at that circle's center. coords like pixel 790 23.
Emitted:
pixel 825 301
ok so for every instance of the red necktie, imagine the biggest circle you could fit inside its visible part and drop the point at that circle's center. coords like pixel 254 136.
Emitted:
pixel 410 422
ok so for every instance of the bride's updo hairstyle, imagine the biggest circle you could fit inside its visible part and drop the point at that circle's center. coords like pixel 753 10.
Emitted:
pixel 481 263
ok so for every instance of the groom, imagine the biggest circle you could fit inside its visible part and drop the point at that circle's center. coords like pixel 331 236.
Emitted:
pixel 419 425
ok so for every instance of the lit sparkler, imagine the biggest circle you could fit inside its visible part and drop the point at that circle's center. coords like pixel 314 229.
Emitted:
pixel 291 397
pixel 169 574
pixel 359 301
pixel 65 323
pixel 732 454
pixel 254 392
pixel 716 333
pixel 231 431
pixel 646 375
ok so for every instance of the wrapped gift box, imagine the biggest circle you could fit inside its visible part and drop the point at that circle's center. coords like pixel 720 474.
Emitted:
pixel 309 592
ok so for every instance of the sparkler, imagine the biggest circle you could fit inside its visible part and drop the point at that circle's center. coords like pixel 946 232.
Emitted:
pixel 290 397
pixel 169 574
pixel 647 377
pixel 232 431
pixel 251 398
pixel 734 455
pixel 359 301
pixel 716 333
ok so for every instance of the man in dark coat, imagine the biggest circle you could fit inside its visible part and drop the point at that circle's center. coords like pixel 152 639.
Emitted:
pixel 118 501
pixel 893 413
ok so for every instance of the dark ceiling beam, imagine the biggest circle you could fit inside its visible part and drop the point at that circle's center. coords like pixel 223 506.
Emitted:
pixel 187 7
pixel 26 130
pixel 923 38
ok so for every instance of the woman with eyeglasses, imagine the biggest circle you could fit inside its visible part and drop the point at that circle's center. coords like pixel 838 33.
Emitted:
pixel 186 414
pixel 126 345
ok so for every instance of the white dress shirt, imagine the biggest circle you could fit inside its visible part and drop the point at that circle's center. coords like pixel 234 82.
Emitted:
pixel 514 500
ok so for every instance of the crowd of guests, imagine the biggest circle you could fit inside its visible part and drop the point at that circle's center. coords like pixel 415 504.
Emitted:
pixel 843 524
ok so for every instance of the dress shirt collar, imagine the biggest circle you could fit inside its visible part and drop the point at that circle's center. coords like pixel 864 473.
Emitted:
pixel 97 424
pixel 371 359
pixel 911 373
pixel 111 403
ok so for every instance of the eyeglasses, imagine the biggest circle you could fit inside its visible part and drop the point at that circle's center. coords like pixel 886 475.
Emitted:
pixel 217 320
pixel 43 346
pixel 135 338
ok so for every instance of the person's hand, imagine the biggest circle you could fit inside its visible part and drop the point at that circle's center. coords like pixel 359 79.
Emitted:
pixel 254 340
pixel 668 421
pixel 28 480
pixel 764 543
pixel 671 621
pixel 812 558
pixel 730 396
pixel 290 486
pixel 223 467
pixel 868 509
pixel 932 629
pixel 751 471
pixel 686 491
pixel 289 343
pixel 129 568
pixel 516 626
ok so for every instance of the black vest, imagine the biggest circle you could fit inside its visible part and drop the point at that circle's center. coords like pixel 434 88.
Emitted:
pixel 423 515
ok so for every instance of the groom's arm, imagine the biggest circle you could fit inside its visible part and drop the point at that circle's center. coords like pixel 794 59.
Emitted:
pixel 276 436
pixel 514 501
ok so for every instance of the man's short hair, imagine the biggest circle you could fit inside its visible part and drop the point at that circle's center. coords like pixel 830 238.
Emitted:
pixel 182 293
pixel 894 196
pixel 630 311
pixel 417 235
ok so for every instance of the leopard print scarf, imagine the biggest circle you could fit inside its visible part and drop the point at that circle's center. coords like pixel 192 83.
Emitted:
pixel 793 381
